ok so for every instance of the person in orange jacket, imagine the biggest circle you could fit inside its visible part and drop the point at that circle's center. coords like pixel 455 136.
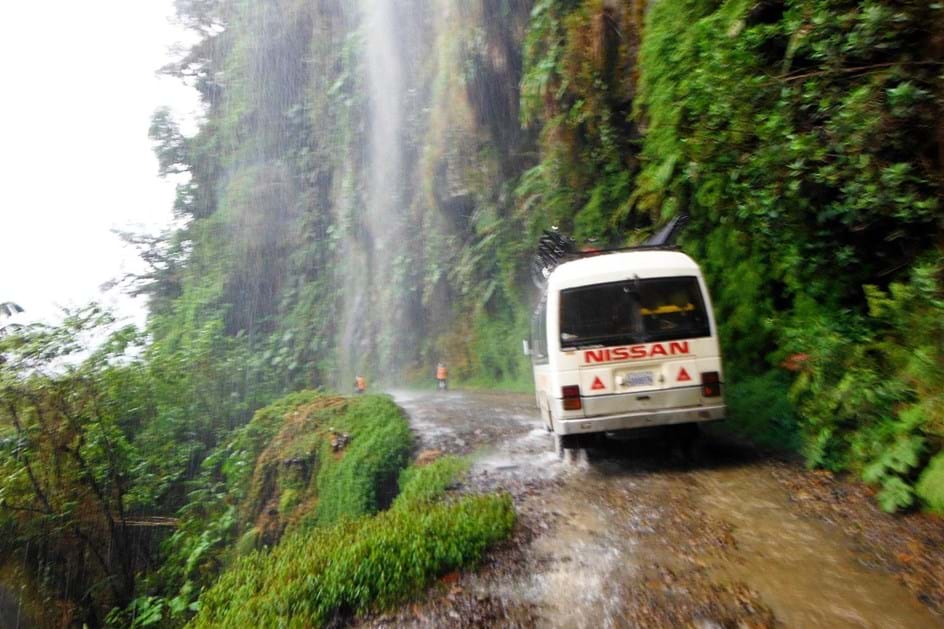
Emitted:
pixel 360 384
pixel 442 377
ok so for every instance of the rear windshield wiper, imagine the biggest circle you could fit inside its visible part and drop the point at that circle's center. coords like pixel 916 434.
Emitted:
pixel 601 341
pixel 570 348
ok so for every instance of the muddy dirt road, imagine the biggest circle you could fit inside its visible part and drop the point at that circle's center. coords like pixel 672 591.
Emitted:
pixel 642 535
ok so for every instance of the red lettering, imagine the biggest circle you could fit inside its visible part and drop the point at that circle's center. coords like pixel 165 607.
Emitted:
pixel 678 348
pixel 636 352
pixel 620 353
pixel 595 357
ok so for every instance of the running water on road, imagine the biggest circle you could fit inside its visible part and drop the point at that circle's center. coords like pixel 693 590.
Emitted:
pixel 640 536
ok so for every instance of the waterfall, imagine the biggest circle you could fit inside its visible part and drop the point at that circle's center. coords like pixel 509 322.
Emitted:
pixel 372 256
pixel 384 88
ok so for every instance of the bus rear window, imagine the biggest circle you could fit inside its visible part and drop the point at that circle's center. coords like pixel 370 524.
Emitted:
pixel 631 312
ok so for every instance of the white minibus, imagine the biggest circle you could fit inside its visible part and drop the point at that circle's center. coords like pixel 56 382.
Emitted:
pixel 622 341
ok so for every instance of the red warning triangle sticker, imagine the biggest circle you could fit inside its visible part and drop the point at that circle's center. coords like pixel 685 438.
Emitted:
pixel 598 384
pixel 683 376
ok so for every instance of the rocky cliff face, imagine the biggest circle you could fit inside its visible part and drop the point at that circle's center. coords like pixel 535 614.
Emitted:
pixel 443 139
pixel 350 158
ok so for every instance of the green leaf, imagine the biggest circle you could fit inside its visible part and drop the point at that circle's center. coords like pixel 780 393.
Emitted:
pixel 895 495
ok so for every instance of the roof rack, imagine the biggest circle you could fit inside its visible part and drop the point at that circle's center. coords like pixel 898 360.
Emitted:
pixel 595 252
pixel 668 234
pixel 555 248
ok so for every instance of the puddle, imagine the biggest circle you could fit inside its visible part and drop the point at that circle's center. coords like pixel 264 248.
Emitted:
pixel 578 566
pixel 805 571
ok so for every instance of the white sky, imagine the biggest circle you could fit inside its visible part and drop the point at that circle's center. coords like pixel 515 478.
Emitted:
pixel 79 87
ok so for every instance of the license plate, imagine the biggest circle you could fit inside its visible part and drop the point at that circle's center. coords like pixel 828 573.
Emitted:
pixel 643 379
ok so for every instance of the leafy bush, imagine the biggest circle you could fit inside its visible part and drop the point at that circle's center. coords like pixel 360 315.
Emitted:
pixel 930 487
pixel 872 398
pixel 759 407
pixel 74 471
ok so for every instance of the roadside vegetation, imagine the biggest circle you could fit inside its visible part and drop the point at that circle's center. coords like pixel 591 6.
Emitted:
pixel 308 460
pixel 319 487
pixel 141 530
pixel 315 577
pixel 803 139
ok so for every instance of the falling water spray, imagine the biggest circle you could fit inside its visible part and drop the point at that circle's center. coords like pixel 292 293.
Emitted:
pixel 372 256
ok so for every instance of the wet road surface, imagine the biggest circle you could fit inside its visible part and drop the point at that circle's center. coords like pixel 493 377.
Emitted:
pixel 640 534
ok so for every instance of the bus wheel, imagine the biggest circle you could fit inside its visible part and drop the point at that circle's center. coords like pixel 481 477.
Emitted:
pixel 577 457
pixel 564 445
pixel 571 449
pixel 559 446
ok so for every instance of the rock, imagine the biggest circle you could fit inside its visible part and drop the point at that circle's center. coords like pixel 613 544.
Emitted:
pixel 450 578
pixel 339 441
pixel 428 456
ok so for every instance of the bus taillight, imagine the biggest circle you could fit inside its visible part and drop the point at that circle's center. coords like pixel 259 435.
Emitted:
pixel 711 384
pixel 571 395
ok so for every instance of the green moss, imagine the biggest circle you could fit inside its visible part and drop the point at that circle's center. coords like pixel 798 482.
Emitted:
pixel 266 422
pixel 288 500
pixel 282 474
pixel 363 478
pixel 420 485
pixel 355 566
pixel 249 542
pixel 347 561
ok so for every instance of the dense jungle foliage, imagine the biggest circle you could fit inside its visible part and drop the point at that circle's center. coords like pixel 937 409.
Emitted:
pixel 802 137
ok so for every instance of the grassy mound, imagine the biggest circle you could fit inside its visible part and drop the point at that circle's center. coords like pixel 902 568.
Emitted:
pixel 317 575
pixel 427 484
pixel 326 458
pixel 306 461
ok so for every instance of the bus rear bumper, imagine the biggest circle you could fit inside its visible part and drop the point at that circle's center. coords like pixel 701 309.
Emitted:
pixel 639 419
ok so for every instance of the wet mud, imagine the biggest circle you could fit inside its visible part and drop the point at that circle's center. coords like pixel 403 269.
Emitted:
pixel 645 533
